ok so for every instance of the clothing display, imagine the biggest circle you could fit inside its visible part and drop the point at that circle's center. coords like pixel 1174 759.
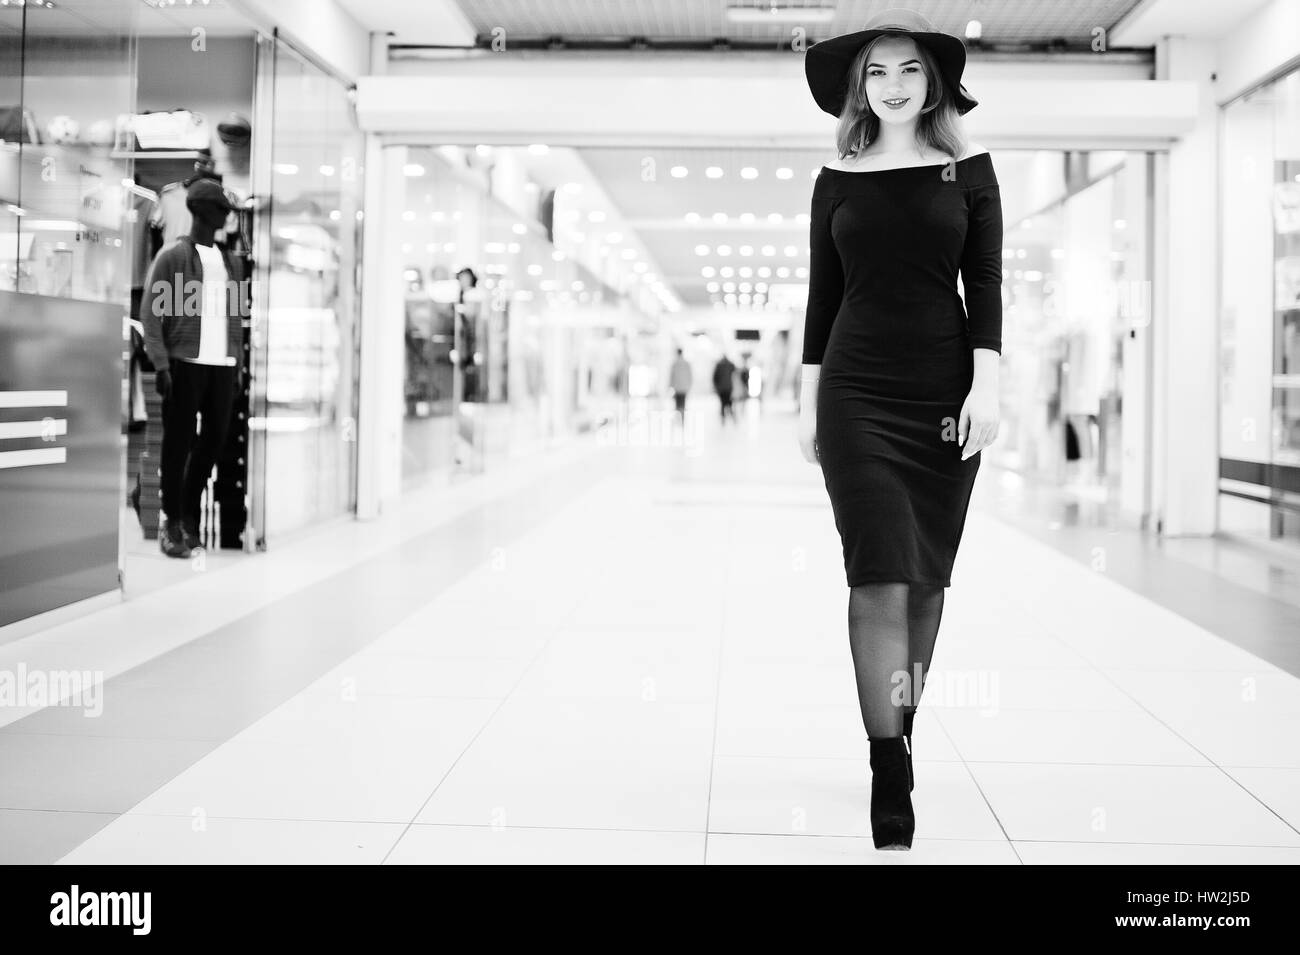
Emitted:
pixel 175 272
pixel 213 317
pixel 887 325
pixel 187 456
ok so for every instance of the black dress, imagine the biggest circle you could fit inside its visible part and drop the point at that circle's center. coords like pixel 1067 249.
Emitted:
pixel 888 327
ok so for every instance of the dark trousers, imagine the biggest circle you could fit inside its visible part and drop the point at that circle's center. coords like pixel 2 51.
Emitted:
pixel 725 398
pixel 189 452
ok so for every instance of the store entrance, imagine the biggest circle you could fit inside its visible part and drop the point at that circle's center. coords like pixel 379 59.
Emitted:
pixel 192 123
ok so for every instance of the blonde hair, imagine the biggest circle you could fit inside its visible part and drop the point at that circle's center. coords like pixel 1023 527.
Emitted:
pixel 939 125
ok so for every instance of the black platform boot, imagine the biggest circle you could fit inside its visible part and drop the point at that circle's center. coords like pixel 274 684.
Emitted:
pixel 892 820
pixel 908 716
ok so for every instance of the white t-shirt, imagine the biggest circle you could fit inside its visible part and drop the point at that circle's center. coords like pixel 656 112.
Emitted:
pixel 212 331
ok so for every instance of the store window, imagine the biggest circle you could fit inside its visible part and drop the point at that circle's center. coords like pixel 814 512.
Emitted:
pixel 306 350
pixel 63 290
pixel 1077 297
pixel 1259 319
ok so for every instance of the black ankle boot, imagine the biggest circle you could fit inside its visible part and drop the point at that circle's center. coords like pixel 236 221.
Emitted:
pixel 892 820
pixel 907 735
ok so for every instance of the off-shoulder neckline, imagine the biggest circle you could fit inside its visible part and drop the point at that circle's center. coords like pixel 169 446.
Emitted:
pixel 932 165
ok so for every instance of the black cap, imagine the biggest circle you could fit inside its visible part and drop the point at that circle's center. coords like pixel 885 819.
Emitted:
pixel 208 190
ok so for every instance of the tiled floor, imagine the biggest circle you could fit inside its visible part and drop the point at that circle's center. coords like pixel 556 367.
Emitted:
pixel 617 652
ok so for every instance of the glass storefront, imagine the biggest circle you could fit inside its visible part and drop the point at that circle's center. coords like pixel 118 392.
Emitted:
pixel 511 341
pixel 1259 318
pixel 105 115
pixel 1076 286
pixel 305 398
pixel 64 282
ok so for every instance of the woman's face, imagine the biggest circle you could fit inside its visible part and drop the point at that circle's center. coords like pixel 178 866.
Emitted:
pixel 896 82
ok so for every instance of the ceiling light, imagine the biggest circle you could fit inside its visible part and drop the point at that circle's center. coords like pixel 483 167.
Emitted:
pixel 974 30
pixel 412 169
pixel 714 172
pixel 679 172
pixel 749 172
pixel 776 13
pixel 785 172
pixel 538 149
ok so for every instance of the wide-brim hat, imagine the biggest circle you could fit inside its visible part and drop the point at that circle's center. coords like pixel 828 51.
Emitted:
pixel 826 64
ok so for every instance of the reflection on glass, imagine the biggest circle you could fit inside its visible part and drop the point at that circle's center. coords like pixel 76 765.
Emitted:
pixel 1259 326
pixel 63 205
pixel 309 398
pixel 1075 287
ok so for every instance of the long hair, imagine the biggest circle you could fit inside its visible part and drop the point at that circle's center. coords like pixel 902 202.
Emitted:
pixel 939 125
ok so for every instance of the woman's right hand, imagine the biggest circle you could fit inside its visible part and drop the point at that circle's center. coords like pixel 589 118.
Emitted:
pixel 808 433
pixel 809 378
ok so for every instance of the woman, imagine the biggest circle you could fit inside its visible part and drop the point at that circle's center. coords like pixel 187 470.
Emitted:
pixel 899 388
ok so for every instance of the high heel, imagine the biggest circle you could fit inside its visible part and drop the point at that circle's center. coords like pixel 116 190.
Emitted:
pixel 908 716
pixel 892 819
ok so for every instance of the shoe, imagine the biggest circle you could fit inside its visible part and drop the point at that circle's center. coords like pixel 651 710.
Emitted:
pixel 892 819
pixel 170 540
pixel 190 532
pixel 908 717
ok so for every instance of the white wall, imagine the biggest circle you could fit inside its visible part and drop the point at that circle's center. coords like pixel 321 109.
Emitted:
pixel 321 28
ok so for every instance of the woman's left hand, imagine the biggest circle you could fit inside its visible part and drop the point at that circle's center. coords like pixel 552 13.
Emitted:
pixel 978 424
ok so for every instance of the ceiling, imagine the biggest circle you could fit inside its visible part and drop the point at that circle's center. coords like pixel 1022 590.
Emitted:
pixel 1012 22
pixel 116 19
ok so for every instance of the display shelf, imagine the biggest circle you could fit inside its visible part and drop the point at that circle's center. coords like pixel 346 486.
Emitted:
pixel 160 154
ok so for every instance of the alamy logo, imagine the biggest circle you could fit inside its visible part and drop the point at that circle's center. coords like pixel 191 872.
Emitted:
pixel 102 908
pixel 22 688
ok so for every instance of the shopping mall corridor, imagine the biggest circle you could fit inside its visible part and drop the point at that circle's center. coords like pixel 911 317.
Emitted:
pixel 631 650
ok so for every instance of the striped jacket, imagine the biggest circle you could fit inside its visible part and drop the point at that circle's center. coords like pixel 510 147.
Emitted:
pixel 172 303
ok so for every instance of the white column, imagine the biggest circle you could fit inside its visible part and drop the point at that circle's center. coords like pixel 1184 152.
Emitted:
pixel 383 322
pixel 1184 332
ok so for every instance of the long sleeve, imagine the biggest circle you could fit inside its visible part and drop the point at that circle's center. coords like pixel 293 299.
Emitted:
pixel 156 306
pixel 981 266
pixel 825 281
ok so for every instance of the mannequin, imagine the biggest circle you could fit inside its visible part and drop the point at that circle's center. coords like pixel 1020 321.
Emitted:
pixel 193 335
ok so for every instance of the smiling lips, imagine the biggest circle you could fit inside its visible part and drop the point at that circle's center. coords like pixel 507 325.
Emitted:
pixel 896 103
